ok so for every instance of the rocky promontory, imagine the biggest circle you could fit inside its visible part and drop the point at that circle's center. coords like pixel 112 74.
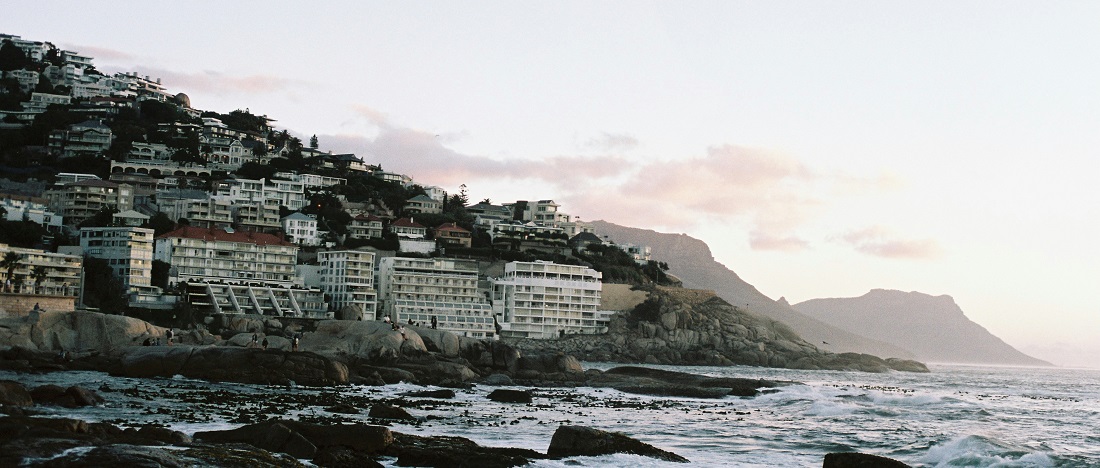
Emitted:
pixel 677 326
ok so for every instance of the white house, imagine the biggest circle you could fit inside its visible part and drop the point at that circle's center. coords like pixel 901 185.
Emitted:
pixel 301 229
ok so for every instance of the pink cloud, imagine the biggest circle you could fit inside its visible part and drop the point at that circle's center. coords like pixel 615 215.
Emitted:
pixel 764 241
pixel 608 142
pixel 881 242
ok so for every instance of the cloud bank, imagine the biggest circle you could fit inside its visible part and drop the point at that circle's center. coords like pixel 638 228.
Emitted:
pixel 881 242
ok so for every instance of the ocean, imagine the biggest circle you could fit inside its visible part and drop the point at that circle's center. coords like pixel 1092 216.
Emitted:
pixel 955 416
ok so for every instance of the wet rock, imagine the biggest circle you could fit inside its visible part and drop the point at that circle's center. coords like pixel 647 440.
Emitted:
pixel 71 397
pixel 390 412
pixel 443 394
pixel 343 408
pixel 14 393
pixel 670 383
pixel 344 458
pixel 860 460
pixel 412 450
pixel 505 395
pixel 570 441
pixel 289 436
pixel 231 364
pixel 498 380
pixel 163 434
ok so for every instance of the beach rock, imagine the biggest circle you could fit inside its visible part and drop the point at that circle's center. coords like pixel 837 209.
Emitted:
pixel 303 440
pixel 571 441
pixel 390 412
pixel 442 451
pixel 123 455
pixel 75 331
pixel 439 341
pixel 343 408
pixel 443 394
pixel 231 364
pixel 860 460
pixel 505 395
pixel 71 397
pixel 498 380
pixel 14 394
pixel 644 380
pixel 162 434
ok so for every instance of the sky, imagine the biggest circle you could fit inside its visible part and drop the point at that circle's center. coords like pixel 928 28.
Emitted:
pixel 821 149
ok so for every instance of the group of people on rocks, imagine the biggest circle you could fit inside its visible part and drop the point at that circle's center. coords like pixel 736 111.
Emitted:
pixel 151 341
pixel 294 341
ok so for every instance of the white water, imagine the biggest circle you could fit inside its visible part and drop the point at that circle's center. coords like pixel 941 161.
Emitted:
pixel 955 416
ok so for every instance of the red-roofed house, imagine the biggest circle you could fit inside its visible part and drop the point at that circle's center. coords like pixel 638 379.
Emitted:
pixel 453 234
pixel 407 227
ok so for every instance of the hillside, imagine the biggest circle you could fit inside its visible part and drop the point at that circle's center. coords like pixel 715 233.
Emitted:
pixel 690 260
pixel 933 327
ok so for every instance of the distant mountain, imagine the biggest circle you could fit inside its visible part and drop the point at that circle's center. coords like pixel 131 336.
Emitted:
pixel 690 260
pixel 933 327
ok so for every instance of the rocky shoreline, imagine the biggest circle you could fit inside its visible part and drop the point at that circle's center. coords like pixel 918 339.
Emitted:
pixel 684 328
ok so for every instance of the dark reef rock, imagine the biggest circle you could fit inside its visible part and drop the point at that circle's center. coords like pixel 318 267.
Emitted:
pixel 647 381
pixel 413 450
pixel 443 394
pixel 231 364
pixel 860 460
pixel 390 412
pixel 71 397
pixel 14 394
pixel 569 441
pixel 505 395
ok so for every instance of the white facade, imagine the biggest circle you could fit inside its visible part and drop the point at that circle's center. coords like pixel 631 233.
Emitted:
pixel 129 252
pixel 418 289
pixel 210 254
pixel 544 300
pixel 27 209
pixel 312 181
pixel 301 229
pixel 62 272
pixel 287 193
pixel 347 277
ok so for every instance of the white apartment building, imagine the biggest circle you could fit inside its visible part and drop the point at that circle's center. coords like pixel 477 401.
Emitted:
pixel 197 207
pixel 128 251
pixel 365 227
pixel 418 289
pixel 546 300
pixel 312 181
pixel 88 137
pixel 288 193
pixel 301 229
pixel 211 254
pixel 347 277
pixel 544 212
pixel 62 272
pixel 261 216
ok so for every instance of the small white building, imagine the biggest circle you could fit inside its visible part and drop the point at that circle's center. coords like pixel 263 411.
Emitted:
pixel 301 229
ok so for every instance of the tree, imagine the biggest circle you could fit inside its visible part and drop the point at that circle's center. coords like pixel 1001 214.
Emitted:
pixel 103 218
pixel 39 274
pixel 102 288
pixel 12 57
pixel 10 263
pixel 313 142
pixel 161 224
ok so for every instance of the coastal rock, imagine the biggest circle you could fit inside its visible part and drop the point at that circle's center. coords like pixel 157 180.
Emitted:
pixel 439 341
pixel 71 397
pixel 372 340
pixel 229 364
pixel 571 441
pixel 860 460
pixel 343 408
pixel 505 395
pixel 413 450
pixel 293 436
pixel 906 365
pixel 75 331
pixel 390 412
pixel 13 393
pixel 497 380
pixel 660 382
pixel 443 394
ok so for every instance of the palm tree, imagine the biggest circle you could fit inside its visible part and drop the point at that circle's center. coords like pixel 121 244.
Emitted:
pixel 10 263
pixel 39 274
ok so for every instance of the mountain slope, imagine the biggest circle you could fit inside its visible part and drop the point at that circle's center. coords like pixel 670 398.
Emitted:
pixel 690 260
pixel 933 327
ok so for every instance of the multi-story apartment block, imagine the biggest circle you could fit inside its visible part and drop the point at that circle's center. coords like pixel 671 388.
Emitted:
pixel 128 251
pixel 546 300
pixel 365 227
pixel 287 193
pixel 34 50
pixel 423 204
pixel 40 101
pixel 312 181
pixel 261 216
pixel 149 152
pixel 62 272
pixel 544 212
pixel 419 289
pixel 224 153
pixel 90 137
pixel 211 254
pixel 347 277
pixel 301 229
pixel 78 201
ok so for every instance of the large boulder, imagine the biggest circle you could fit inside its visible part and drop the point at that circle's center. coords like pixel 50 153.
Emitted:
pixel 231 364
pixel 439 341
pixel 13 393
pixel 303 440
pixel 71 397
pixel 76 331
pixel 505 395
pixel 372 340
pixel 571 441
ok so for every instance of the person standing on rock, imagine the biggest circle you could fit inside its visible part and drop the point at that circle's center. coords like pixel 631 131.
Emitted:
pixel 386 319
pixel 294 344
pixel 168 336
pixel 255 341
pixel 402 330
pixel 264 344
pixel 435 323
